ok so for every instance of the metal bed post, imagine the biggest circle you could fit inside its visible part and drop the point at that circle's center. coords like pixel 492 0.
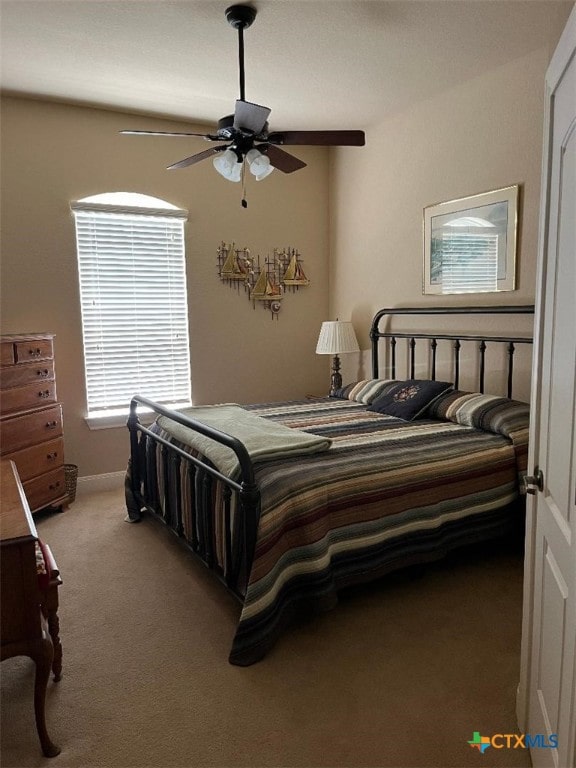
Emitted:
pixel 482 348
pixel 132 482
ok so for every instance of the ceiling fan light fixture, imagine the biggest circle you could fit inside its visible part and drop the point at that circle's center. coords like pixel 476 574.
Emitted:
pixel 246 132
pixel 228 165
pixel 259 164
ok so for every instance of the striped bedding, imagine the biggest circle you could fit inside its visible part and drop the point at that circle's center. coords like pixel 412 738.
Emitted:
pixel 387 494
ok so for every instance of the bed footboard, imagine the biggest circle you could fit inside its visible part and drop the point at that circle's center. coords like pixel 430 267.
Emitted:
pixel 162 473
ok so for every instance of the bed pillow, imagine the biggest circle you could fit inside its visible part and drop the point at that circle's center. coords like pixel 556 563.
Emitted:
pixel 409 399
pixel 490 413
pixel 365 390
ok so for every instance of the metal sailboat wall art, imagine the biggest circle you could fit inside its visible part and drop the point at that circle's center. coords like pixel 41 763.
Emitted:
pixel 235 267
pixel 265 285
pixel 294 274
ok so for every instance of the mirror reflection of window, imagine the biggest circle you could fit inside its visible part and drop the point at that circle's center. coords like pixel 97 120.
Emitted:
pixel 465 259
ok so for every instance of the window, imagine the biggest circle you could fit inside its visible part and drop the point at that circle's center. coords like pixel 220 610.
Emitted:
pixel 133 298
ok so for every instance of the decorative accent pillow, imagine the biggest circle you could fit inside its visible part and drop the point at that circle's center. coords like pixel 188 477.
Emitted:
pixel 409 399
pixel 365 390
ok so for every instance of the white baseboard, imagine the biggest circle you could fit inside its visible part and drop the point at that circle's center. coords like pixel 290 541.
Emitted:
pixel 111 481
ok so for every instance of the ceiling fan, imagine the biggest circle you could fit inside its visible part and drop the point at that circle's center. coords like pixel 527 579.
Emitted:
pixel 246 131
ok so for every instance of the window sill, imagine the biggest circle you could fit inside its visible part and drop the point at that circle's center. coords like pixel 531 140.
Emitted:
pixel 117 419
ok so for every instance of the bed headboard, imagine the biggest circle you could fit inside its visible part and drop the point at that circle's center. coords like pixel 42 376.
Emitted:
pixel 483 340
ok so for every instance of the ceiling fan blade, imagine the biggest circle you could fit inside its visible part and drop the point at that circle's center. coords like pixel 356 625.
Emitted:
pixel 169 133
pixel 319 138
pixel 197 157
pixel 280 159
pixel 251 117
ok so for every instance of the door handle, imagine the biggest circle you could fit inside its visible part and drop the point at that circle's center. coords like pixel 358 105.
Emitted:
pixel 532 483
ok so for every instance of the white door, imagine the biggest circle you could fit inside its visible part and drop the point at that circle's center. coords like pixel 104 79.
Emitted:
pixel 547 692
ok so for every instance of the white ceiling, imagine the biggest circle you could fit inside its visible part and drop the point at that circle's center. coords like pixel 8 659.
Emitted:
pixel 316 63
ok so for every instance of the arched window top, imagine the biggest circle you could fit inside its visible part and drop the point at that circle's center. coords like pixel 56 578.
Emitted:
pixel 134 199
pixel 129 202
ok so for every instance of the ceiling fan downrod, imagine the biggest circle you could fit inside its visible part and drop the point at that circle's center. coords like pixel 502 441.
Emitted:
pixel 241 17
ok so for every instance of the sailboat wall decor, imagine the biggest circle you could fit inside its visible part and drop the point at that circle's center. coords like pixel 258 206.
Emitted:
pixel 294 274
pixel 266 285
pixel 235 266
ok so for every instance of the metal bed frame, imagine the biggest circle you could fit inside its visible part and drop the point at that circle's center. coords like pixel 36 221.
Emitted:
pixel 240 543
pixel 482 339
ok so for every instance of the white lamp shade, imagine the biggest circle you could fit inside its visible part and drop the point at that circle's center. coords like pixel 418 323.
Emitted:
pixel 259 164
pixel 336 337
pixel 228 166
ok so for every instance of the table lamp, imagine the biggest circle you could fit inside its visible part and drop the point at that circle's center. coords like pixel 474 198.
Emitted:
pixel 336 337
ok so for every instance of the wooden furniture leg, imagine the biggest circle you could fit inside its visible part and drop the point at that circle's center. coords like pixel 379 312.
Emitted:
pixel 43 654
pixel 54 629
pixel 50 611
pixel 49 603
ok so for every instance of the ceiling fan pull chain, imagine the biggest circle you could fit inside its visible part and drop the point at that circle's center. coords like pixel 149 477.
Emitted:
pixel 244 201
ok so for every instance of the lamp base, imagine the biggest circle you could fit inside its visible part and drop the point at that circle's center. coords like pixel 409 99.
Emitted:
pixel 336 378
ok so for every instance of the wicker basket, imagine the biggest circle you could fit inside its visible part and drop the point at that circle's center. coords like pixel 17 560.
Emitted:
pixel 70 479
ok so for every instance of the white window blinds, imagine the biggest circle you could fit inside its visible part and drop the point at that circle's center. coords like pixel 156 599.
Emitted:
pixel 134 304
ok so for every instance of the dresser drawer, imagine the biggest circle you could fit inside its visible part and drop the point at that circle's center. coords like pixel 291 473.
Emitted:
pixel 27 373
pixel 38 459
pixel 31 428
pixel 35 349
pixel 30 396
pixel 46 489
pixel 6 353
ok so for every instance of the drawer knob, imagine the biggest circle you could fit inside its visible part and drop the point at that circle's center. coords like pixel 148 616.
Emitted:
pixel 42 374
pixel 34 352
pixel 51 424
pixel 55 485
pixel 52 456
pixel 44 393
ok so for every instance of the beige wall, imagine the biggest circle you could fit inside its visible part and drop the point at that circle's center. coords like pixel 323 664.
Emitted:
pixel 53 154
pixel 479 136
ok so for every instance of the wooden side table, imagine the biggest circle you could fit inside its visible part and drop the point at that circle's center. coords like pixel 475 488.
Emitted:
pixel 26 610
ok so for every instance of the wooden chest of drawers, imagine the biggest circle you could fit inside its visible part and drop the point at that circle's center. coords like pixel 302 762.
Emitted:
pixel 31 432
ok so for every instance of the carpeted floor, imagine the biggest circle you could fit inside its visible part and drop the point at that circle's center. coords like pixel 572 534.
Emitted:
pixel 401 673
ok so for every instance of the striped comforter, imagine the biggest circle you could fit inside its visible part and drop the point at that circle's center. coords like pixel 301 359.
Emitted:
pixel 387 494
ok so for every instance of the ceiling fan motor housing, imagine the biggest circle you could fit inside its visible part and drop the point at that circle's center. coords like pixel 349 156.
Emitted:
pixel 240 16
pixel 226 130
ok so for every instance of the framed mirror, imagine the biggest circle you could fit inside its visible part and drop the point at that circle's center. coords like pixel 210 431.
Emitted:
pixel 470 243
